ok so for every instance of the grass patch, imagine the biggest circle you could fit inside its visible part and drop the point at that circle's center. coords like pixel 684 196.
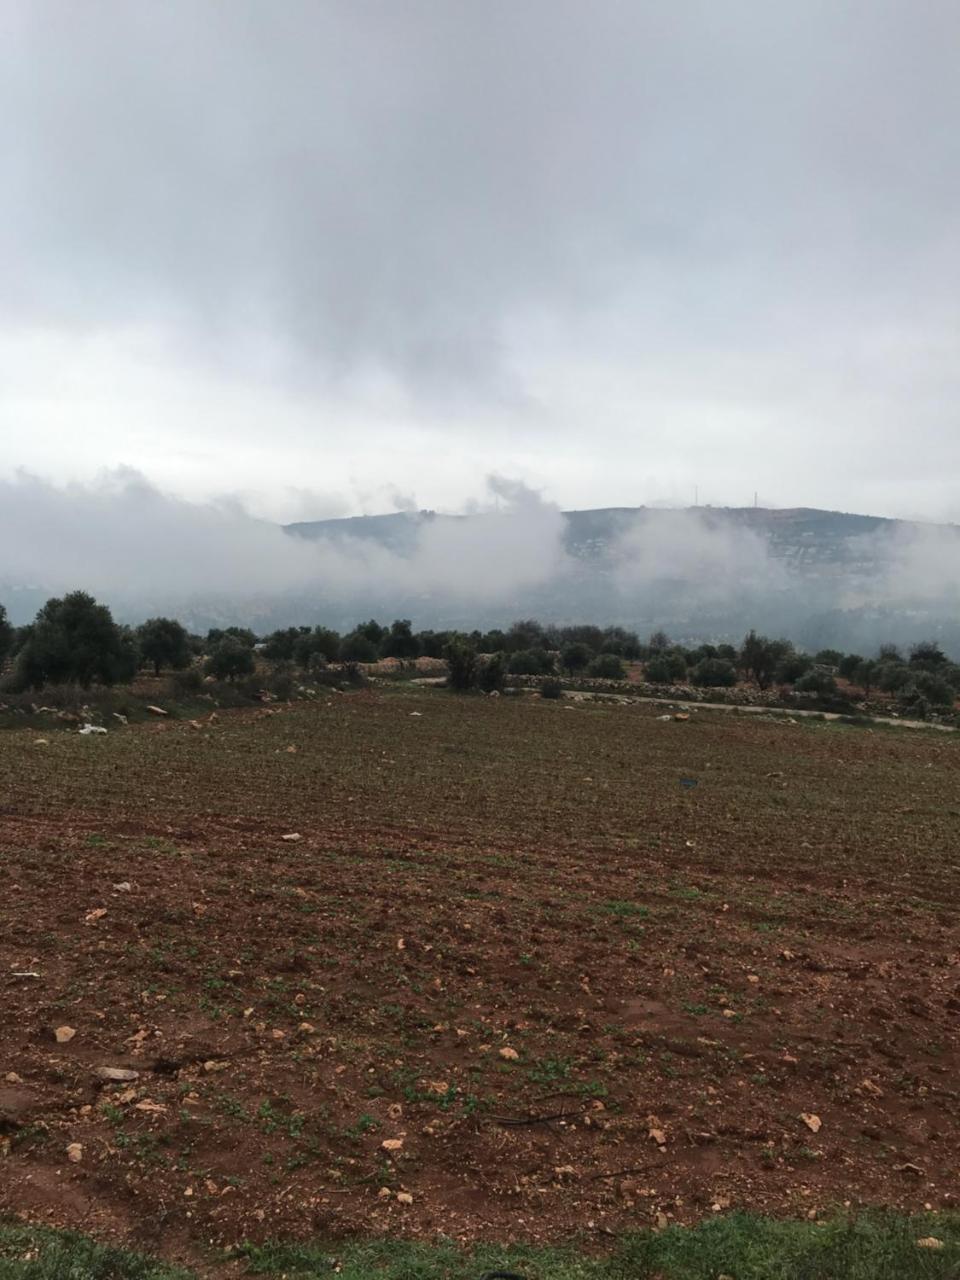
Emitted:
pixel 30 1253
pixel 624 910
pixel 872 1247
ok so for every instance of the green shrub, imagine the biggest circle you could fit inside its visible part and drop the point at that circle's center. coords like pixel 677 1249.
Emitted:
pixel 928 689
pixel 829 658
pixel 492 674
pixel 607 666
pixel 849 665
pixel 164 643
pixel 186 683
pixel 893 677
pixel 928 656
pixel 714 673
pixel 462 664
pixel 865 674
pixel 230 659
pixel 321 645
pixel 358 647
pixel 575 657
pixel 400 642
pixel 75 640
pixel 666 668
pixel 530 662
pixel 6 635
pixel 819 682
pixel 282 681
pixel 793 667
pixel 760 657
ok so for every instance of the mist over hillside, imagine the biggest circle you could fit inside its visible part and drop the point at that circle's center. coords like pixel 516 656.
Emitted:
pixel 817 577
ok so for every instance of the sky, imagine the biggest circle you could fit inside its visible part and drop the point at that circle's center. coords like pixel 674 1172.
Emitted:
pixel 341 256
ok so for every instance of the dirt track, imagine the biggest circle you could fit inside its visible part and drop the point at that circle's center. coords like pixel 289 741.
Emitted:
pixel 583 966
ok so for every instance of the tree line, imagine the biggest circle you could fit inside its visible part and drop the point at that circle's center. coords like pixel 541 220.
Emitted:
pixel 75 640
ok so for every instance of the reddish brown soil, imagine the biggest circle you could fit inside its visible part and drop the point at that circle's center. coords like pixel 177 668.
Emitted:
pixel 682 972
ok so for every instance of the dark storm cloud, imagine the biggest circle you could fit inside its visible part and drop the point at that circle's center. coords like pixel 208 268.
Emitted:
pixel 327 186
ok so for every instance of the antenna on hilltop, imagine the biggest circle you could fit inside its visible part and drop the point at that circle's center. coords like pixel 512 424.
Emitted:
pixel 756 502
pixel 696 495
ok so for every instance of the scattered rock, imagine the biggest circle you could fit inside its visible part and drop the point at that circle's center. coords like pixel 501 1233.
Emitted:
pixel 75 1152
pixel 392 1144
pixel 87 729
pixel 63 1035
pixel 813 1123
pixel 41 742
pixel 929 1242
pixel 508 1054
pixel 12 1078
pixel 292 837
pixel 156 711
pixel 124 886
pixel 93 916
pixel 658 1136
pixel 404 1197
pixel 115 1075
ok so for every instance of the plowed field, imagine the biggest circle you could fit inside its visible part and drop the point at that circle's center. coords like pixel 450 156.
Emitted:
pixel 527 969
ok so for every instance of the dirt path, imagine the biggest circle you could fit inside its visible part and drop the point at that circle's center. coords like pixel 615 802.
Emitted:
pixel 783 713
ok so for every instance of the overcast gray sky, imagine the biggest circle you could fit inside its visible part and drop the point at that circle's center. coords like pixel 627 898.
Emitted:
pixel 336 255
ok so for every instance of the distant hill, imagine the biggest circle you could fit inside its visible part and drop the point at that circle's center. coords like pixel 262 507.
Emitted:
pixel 800 535
pixel 821 577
